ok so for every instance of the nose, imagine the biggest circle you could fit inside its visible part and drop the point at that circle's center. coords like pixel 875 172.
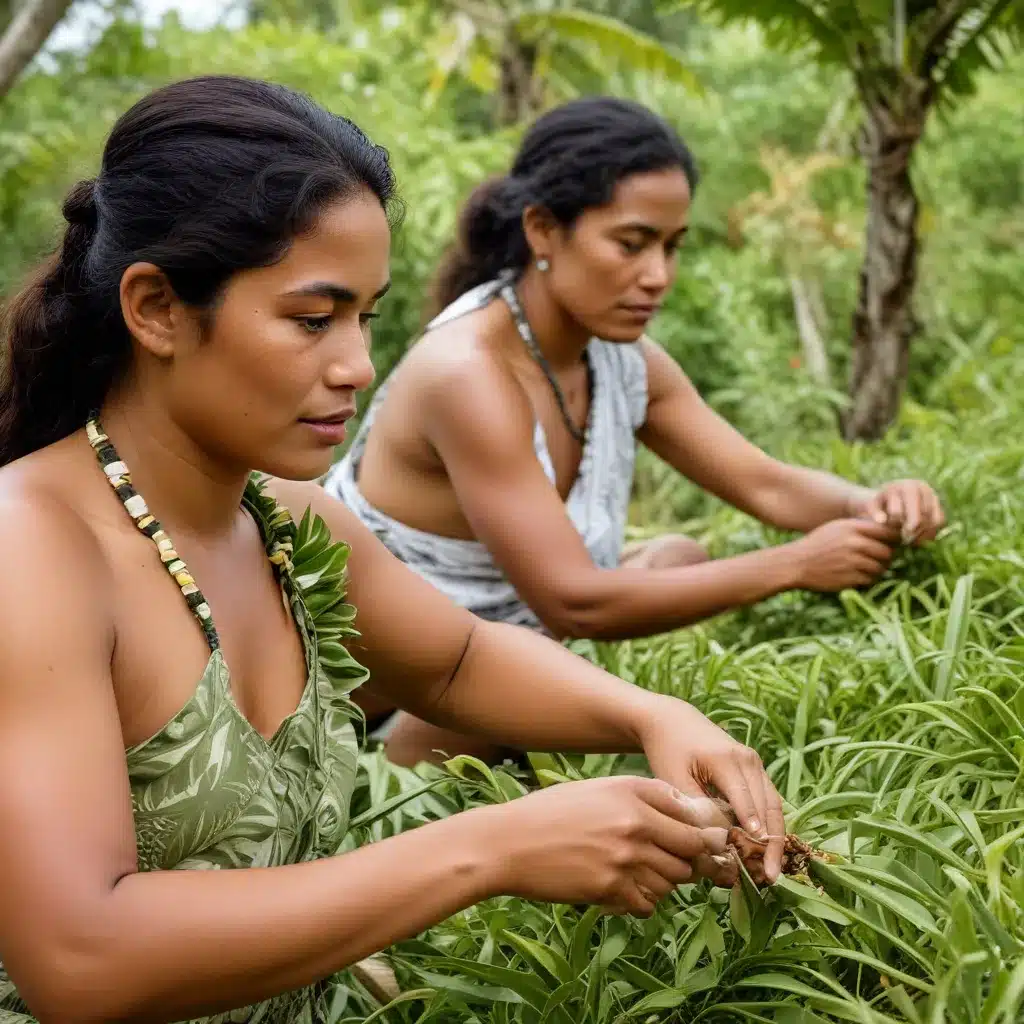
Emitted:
pixel 656 273
pixel 350 365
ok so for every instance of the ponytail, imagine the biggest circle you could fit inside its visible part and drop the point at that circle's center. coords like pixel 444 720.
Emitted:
pixel 489 238
pixel 57 364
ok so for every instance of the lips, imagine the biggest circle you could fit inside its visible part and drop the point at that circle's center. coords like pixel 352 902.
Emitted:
pixel 334 420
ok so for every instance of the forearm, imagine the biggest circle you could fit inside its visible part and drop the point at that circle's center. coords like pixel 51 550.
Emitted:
pixel 174 945
pixel 804 499
pixel 522 690
pixel 620 604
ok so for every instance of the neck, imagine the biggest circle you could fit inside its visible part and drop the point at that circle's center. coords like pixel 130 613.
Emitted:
pixel 186 489
pixel 561 338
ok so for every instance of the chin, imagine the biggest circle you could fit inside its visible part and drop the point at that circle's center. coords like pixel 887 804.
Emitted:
pixel 299 466
pixel 623 334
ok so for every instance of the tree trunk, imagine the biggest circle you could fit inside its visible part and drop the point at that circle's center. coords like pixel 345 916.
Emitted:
pixel 809 324
pixel 883 323
pixel 28 30
pixel 518 89
pixel 6 14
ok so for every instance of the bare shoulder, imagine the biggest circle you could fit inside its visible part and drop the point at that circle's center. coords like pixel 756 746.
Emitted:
pixel 664 374
pixel 56 579
pixel 44 516
pixel 457 371
pixel 298 496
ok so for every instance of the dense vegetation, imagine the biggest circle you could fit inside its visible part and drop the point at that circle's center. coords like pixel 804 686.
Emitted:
pixel 893 720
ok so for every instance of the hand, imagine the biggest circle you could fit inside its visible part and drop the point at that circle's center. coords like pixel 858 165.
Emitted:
pixel 843 553
pixel 620 842
pixel 697 757
pixel 910 505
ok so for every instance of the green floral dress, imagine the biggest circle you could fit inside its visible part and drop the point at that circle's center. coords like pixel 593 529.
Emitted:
pixel 208 791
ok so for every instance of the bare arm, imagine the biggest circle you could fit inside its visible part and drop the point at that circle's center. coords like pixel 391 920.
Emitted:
pixel 450 668
pixel 482 429
pixel 83 934
pixel 518 688
pixel 112 943
pixel 692 438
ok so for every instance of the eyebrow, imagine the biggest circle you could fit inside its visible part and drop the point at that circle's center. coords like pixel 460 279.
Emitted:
pixel 329 290
pixel 647 230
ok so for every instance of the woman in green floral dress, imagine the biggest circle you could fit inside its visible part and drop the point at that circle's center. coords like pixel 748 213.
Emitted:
pixel 180 642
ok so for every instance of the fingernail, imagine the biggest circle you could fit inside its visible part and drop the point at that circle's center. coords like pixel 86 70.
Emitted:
pixel 755 825
pixel 715 839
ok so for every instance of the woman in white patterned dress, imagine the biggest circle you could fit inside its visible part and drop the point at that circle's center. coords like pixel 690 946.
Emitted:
pixel 497 460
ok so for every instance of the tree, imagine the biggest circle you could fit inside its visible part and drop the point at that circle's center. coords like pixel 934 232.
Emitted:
pixel 25 30
pixel 516 48
pixel 906 58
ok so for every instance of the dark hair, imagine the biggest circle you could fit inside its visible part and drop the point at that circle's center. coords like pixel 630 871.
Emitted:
pixel 570 160
pixel 203 178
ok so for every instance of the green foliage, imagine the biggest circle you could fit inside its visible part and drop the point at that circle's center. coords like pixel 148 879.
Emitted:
pixel 892 722
pixel 945 44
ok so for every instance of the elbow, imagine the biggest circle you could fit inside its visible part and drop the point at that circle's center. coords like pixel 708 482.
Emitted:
pixel 75 991
pixel 74 979
pixel 580 613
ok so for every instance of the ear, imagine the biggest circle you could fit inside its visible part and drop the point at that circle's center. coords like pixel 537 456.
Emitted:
pixel 153 313
pixel 539 227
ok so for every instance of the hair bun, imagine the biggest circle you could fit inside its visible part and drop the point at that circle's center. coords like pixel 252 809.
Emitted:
pixel 80 204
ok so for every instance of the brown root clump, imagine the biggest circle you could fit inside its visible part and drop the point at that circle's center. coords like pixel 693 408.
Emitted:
pixel 796 854
pixel 750 850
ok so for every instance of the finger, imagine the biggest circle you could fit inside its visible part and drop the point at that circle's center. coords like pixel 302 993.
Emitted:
pixel 874 549
pixel 894 507
pixel 684 842
pixel 911 496
pixel 674 870
pixel 869 566
pixel 668 822
pixel 721 869
pixel 933 515
pixel 732 781
pixel 705 812
pixel 637 896
pixel 777 832
pixel 651 885
pixel 756 776
pixel 875 509
pixel 883 532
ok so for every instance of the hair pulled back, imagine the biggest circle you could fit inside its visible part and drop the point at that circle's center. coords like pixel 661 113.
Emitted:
pixel 202 178
pixel 569 161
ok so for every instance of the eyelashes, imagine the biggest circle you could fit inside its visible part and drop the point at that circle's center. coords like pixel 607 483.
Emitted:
pixel 321 324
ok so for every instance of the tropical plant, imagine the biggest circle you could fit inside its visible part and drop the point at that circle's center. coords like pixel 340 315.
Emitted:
pixel 892 723
pixel 906 57
pixel 517 48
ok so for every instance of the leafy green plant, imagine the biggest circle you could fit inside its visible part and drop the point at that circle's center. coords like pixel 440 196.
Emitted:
pixel 892 723
pixel 905 58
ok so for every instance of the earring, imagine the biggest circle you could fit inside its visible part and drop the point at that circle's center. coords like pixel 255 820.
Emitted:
pixel 543 266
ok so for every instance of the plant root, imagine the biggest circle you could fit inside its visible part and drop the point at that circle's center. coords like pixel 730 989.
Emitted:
pixel 750 850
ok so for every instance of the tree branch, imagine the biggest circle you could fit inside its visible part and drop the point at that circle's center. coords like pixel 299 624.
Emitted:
pixel 29 29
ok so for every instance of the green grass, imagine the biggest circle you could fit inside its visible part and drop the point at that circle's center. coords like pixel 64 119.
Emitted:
pixel 892 722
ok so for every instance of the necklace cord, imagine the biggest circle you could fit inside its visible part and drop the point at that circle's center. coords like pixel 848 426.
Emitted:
pixel 508 293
